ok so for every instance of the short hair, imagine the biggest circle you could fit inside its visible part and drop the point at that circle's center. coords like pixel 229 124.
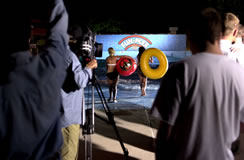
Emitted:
pixel 111 50
pixel 141 49
pixel 240 30
pixel 231 22
pixel 204 26
pixel 75 31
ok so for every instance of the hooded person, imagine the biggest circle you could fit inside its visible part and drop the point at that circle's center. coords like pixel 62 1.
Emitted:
pixel 30 86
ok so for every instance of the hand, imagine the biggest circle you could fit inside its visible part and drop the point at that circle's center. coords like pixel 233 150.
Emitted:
pixel 235 49
pixel 92 64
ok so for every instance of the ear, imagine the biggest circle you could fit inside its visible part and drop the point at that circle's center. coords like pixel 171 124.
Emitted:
pixel 235 32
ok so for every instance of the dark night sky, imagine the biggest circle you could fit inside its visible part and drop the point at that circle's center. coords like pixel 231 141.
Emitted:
pixel 149 16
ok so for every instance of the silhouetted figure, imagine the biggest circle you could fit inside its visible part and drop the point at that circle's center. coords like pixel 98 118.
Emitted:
pixel 200 100
pixel 73 99
pixel 30 102
pixel 142 77
pixel 112 74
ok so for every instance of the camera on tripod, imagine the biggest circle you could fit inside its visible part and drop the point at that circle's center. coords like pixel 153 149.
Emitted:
pixel 89 48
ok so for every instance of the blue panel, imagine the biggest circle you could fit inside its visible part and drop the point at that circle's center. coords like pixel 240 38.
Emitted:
pixel 125 44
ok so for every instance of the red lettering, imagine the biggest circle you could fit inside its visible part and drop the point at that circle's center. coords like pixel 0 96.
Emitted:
pixel 135 36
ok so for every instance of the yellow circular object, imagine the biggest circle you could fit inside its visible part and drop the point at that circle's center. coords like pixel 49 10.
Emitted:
pixel 145 67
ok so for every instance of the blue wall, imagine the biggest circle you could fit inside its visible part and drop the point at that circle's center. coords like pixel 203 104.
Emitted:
pixel 125 44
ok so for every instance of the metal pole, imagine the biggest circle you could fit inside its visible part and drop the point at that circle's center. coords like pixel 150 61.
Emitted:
pixel 88 128
pixel 88 147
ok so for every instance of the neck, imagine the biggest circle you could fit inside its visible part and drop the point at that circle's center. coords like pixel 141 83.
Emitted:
pixel 213 48
pixel 229 38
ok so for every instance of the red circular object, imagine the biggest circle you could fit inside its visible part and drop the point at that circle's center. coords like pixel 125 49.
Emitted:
pixel 126 66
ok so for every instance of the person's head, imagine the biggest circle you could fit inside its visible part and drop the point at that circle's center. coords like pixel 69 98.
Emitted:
pixel 203 27
pixel 230 28
pixel 240 34
pixel 75 32
pixel 141 49
pixel 111 51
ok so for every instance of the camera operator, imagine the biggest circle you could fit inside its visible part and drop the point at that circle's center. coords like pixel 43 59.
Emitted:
pixel 73 97
pixel 30 87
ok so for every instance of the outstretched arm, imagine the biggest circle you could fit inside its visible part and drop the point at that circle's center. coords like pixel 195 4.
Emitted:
pixel 124 56
pixel 58 26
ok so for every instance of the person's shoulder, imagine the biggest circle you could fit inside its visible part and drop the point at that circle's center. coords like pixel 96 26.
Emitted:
pixel 108 59
pixel 118 57
pixel 186 64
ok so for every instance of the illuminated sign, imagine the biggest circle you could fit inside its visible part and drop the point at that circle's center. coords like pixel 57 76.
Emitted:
pixel 134 41
pixel 128 44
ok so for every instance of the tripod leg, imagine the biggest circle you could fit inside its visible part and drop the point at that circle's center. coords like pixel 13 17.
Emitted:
pixel 111 119
pixel 88 129
pixel 88 147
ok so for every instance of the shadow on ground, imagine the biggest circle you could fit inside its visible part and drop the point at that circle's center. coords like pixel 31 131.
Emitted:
pixel 100 154
pixel 129 137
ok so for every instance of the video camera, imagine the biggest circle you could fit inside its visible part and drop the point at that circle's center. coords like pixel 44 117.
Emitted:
pixel 88 47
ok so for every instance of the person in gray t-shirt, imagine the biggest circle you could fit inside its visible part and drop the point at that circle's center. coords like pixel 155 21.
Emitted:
pixel 199 100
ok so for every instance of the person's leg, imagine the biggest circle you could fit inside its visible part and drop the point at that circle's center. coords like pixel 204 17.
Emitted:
pixel 110 92
pixel 110 85
pixel 71 134
pixel 143 84
pixel 115 84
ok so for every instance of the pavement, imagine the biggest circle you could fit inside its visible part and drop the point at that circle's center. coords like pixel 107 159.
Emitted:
pixel 137 132
pixel 135 125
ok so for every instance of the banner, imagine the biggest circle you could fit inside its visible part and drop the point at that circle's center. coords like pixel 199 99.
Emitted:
pixel 127 44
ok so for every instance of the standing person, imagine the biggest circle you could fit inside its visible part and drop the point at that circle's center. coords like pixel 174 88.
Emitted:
pixel 73 99
pixel 112 74
pixel 30 100
pixel 239 36
pixel 142 77
pixel 230 48
pixel 230 31
pixel 199 100
pixel 238 46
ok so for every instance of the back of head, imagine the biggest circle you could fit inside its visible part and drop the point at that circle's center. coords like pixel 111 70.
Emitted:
pixel 141 49
pixel 240 30
pixel 203 26
pixel 231 22
pixel 75 31
pixel 111 51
